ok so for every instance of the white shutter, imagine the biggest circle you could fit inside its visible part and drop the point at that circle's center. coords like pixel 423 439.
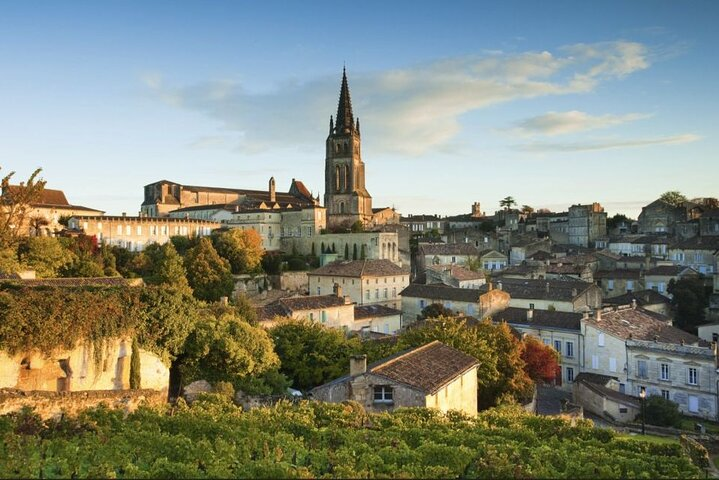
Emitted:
pixel 612 364
pixel 595 362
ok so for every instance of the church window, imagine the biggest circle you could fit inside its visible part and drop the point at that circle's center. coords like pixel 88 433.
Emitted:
pixel 337 178
pixel 342 207
pixel 346 178
pixel 346 148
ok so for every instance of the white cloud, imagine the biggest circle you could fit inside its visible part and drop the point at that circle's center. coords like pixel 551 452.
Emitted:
pixel 542 147
pixel 410 110
pixel 560 123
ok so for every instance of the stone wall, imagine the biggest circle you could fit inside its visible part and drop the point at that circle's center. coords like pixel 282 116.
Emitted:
pixel 54 404
pixel 292 281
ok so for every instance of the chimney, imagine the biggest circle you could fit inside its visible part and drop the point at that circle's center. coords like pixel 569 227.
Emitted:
pixel 530 313
pixel 490 287
pixel 634 303
pixel 272 189
pixel 337 290
pixel 499 285
pixel 358 365
pixel 598 314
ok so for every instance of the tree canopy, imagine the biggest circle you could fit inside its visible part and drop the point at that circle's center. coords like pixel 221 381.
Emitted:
pixel 242 248
pixel 16 205
pixel 208 274
pixel 507 202
pixel 673 198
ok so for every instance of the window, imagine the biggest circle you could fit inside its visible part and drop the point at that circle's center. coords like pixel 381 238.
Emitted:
pixel 421 303
pixel 394 292
pixel 558 346
pixel 630 285
pixel 324 316
pixel 610 285
pixel 665 394
pixel 570 349
pixel 664 371
pixel 547 341
pixel 692 376
pixel 693 404
pixel 368 295
pixel 383 394
pixel 595 362
pixel 642 369
pixel 622 409
pixel 600 340
pixel 715 337
pixel 386 294
pixel 612 364
pixel 570 374
pixel 376 294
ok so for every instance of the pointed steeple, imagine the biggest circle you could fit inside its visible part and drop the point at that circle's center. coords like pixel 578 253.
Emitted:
pixel 332 125
pixel 345 119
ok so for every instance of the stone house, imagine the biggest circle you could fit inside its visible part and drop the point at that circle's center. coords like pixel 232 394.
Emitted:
pixel 545 219
pixel 334 310
pixel 214 213
pixel 650 300
pixel 600 395
pixel 658 278
pixel 455 276
pixel 561 295
pixel 432 376
pixel 560 330
pixel 421 224
pixel 279 226
pixel 709 223
pixel 644 352
pixel 492 260
pixel 136 233
pixel 699 253
pixel 661 217
pixel 348 246
pixel 479 303
pixel 377 319
pixel 365 281
pixel 587 223
pixel 525 246
pixel 43 217
pixel 618 282
pixel 445 254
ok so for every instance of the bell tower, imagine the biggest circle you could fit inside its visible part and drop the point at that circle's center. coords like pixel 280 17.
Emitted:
pixel 346 198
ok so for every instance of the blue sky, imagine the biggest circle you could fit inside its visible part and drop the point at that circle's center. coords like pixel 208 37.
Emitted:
pixel 553 103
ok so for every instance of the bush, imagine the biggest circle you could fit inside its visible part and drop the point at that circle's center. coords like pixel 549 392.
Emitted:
pixel 662 412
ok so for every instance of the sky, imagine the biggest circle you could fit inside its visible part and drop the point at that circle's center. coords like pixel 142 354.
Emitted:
pixel 554 103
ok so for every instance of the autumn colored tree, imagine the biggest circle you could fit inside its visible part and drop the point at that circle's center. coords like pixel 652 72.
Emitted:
pixel 16 206
pixel 435 310
pixel 242 248
pixel 208 274
pixel 541 361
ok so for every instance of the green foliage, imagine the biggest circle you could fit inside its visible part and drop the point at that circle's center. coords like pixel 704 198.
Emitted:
pixel 296 264
pixel 208 274
pixel 272 382
pixel 226 349
pixel 696 451
pixel 662 412
pixel 46 255
pixel 135 367
pixel 215 439
pixel 168 315
pixel 357 227
pixel 84 265
pixel 616 220
pixel 673 198
pixel 507 203
pixel 17 203
pixel 9 262
pixel 690 297
pixel 168 268
pixel 182 243
pixel 435 310
pixel 311 354
pixel 242 248
pixel 272 264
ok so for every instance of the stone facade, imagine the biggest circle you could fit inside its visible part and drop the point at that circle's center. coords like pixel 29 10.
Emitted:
pixel 277 226
pixel 471 302
pixel 587 223
pixel 135 233
pixel 661 217
pixel 366 245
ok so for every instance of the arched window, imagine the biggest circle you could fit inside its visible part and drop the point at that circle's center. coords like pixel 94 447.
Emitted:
pixel 346 149
pixel 342 207
pixel 337 178
pixel 347 178
pixel 337 148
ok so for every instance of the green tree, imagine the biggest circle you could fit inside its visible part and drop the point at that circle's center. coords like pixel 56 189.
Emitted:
pixel 357 227
pixel 616 220
pixel 208 274
pixel 662 412
pixel 17 203
pixel 168 269
pixel 227 349
pixel 9 262
pixel 311 354
pixel 673 198
pixel 242 248
pixel 135 367
pixel 690 298
pixel 83 265
pixel 435 310
pixel 528 210
pixel 46 255
pixel 168 316
pixel 507 203
pixel 182 243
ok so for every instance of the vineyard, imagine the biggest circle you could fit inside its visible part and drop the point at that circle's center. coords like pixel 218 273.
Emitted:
pixel 213 438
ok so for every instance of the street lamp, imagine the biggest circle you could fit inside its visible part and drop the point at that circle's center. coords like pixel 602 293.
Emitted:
pixel 643 395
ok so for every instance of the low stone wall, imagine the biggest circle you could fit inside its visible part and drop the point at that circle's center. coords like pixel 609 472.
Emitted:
pixel 292 281
pixel 54 404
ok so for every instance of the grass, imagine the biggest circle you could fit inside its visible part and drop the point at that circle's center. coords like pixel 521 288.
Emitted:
pixel 715 460
pixel 688 424
pixel 650 438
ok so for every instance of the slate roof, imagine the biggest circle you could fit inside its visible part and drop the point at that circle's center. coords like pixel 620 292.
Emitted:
pixel 540 318
pixel 448 249
pixel 541 255
pixel 360 268
pixel 427 368
pixel 595 378
pixel 609 393
pixel 458 272
pixel 556 290
pixel 643 297
pixel 665 270
pixel 79 282
pixel 443 292
pixel 565 269
pixel 699 243
pixel 618 273
pixel 639 324
pixel 369 311
pixel 420 218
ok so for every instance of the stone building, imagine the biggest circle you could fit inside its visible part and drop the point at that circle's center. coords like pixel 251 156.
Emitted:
pixel 587 223
pixel 377 319
pixel 332 310
pixel 661 217
pixel 619 282
pixel 699 253
pixel 445 254
pixel 365 281
pixel 474 302
pixel 600 395
pixel 43 216
pixel 560 295
pixel 278 227
pixel 432 376
pixel 455 276
pixel 135 233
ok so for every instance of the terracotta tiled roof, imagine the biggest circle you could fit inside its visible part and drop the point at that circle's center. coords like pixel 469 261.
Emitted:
pixel 448 249
pixel 458 272
pixel 427 368
pixel 639 324
pixel 369 311
pixel 565 269
pixel 557 290
pixel 80 282
pixel 665 270
pixel 285 307
pixel 643 297
pixel 540 318
pixel 541 255
pixel 360 268
pixel 443 292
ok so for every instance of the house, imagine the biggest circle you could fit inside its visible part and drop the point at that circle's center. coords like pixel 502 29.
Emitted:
pixel 365 281
pixel 618 282
pixel 709 223
pixel 377 319
pixel 545 219
pixel 334 310
pixel 446 253
pixel 421 224
pixel 561 295
pixel 644 352
pixel 661 217
pixel 455 276
pixel 492 260
pixel 560 330
pixel 658 278
pixel 216 213
pixel 650 300
pixel 700 253
pixel 600 395
pixel 432 376
pixel 135 233
pixel 587 223
pixel 481 302
pixel 522 247
pixel 44 215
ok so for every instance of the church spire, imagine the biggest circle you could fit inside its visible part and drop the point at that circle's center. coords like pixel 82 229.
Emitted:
pixel 345 119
